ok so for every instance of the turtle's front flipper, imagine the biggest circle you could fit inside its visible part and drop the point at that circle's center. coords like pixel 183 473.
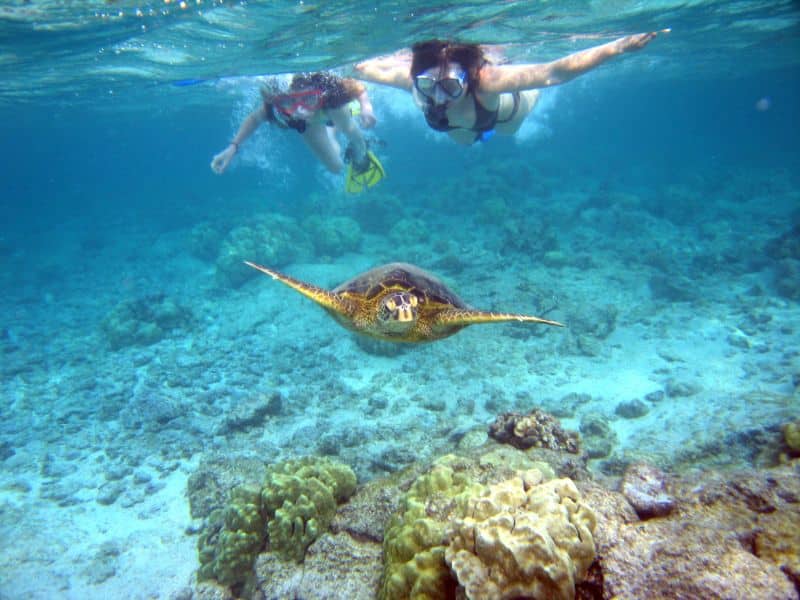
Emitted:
pixel 321 296
pixel 472 317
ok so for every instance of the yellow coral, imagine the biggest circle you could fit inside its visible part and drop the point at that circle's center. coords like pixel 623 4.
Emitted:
pixel 523 538
pixel 791 434
pixel 414 541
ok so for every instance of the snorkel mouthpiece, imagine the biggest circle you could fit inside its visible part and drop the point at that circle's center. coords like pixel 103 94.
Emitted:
pixel 437 113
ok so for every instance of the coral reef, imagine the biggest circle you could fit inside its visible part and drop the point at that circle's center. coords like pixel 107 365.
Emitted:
pixel 333 236
pixel 144 321
pixel 791 436
pixel 786 245
pixel 523 537
pixel 299 500
pixel 597 437
pixel 414 541
pixel 294 507
pixel 205 240
pixel 406 230
pixel 528 237
pixel 536 429
pixel 233 539
pixel 492 522
pixel 273 240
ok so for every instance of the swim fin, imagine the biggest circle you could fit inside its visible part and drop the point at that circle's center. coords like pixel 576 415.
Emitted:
pixel 359 178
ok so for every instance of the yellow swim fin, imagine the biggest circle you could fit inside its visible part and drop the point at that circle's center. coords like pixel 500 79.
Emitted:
pixel 359 180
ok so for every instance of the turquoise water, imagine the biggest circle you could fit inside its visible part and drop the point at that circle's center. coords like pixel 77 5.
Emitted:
pixel 652 205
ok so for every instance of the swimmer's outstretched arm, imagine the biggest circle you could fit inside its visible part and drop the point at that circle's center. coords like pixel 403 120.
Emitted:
pixel 393 70
pixel 221 161
pixel 513 78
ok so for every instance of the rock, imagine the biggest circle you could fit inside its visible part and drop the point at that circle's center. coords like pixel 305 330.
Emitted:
pixel 631 409
pixel 365 515
pixel 644 486
pixel 597 436
pixel 786 245
pixel 655 397
pixel 109 492
pixel 246 415
pixel 378 347
pixel 677 559
pixel 680 389
pixel 336 566
pixel 207 590
pixel 733 537
pixel 787 278
pixel 208 487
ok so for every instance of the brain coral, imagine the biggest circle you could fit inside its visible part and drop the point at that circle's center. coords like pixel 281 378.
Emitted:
pixel 523 538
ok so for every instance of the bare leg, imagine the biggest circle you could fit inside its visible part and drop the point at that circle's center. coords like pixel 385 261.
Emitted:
pixel 322 142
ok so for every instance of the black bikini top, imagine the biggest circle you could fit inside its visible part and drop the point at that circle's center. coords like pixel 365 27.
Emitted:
pixel 485 119
pixel 274 115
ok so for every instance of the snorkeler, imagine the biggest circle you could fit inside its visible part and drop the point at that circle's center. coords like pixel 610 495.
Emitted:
pixel 461 92
pixel 316 106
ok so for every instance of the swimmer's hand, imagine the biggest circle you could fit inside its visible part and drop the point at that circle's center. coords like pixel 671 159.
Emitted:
pixel 637 41
pixel 221 161
pixel 367 119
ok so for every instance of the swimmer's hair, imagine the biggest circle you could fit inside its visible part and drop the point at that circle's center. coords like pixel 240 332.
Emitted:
pixel 337 92
pixel 440 53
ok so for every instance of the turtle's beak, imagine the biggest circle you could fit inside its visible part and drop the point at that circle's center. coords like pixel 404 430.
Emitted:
pixel 400 310
pixel 404 314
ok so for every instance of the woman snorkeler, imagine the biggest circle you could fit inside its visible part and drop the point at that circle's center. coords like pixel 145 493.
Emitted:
pixel 462 93
pixel 316 106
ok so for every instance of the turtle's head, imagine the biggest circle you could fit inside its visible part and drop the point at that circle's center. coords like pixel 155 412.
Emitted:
pixel 398 312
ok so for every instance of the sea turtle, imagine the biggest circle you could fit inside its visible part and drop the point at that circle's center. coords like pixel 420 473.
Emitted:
pixel 397 302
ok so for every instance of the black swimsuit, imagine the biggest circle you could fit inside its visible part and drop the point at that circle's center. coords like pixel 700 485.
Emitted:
pixel 485 120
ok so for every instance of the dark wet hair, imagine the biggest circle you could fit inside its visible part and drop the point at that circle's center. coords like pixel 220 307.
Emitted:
pixel 440 53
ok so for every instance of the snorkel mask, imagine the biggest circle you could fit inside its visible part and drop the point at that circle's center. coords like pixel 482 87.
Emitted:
pixel 299 104
pixel 441 90
pixel 294 108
